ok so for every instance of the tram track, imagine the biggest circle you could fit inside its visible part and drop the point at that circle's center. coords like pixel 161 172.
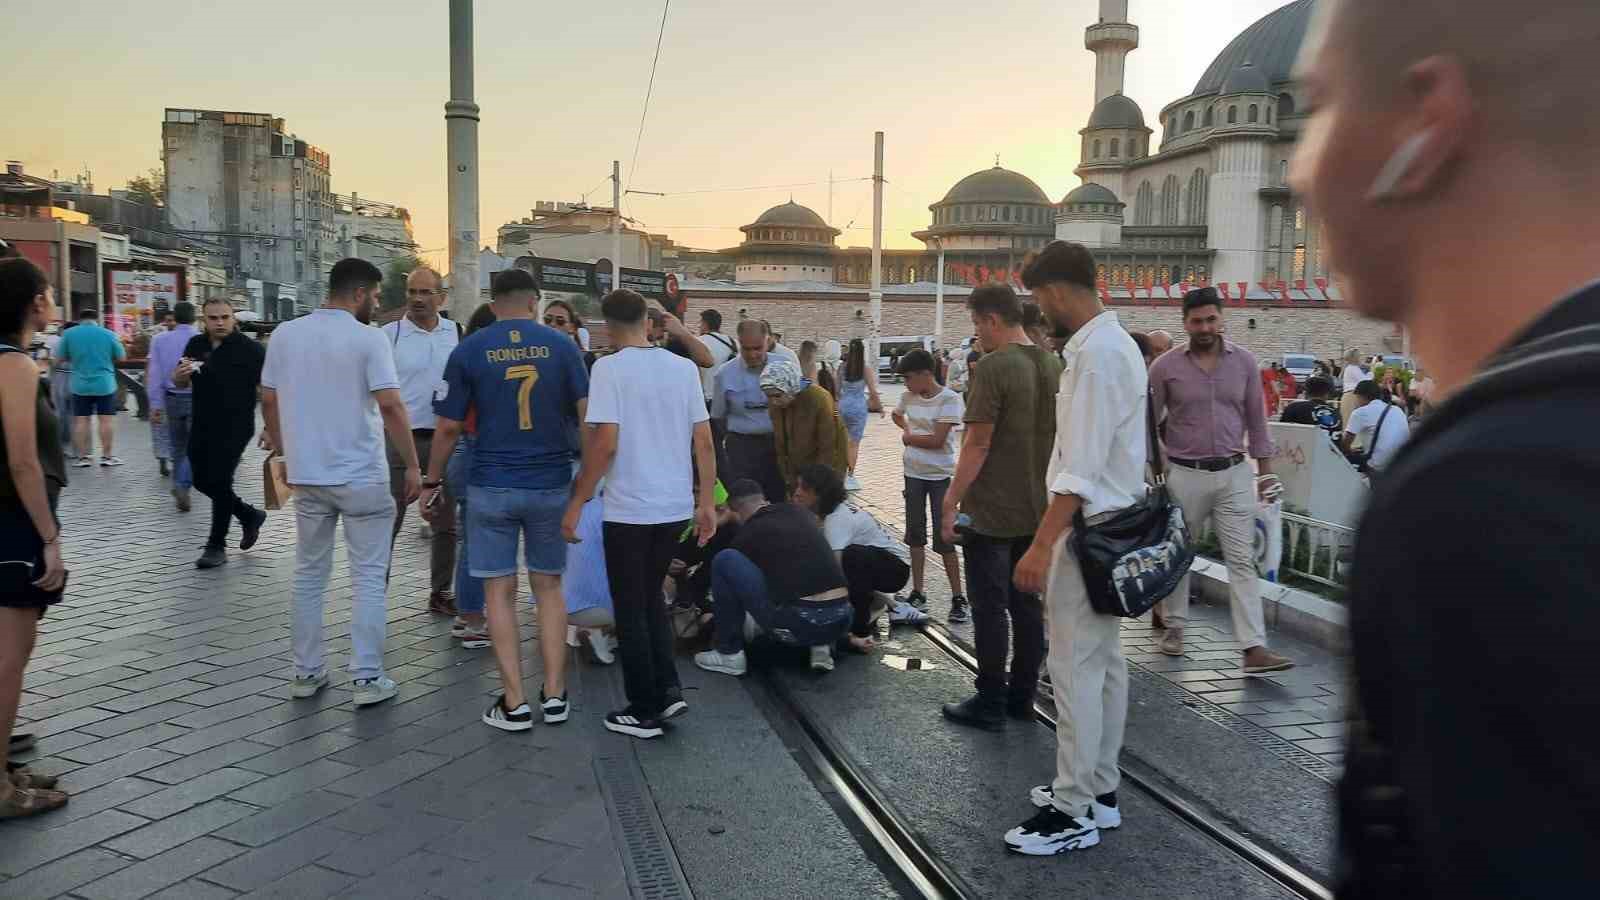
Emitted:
pixel 898 842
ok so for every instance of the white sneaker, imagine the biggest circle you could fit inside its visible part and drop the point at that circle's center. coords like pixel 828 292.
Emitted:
pixel 374 690
pixel 822 658
pixel 1052 831
pixel 603 646
pixel 82 462
pixel 110 460
pixel 727 664
pixel 852 483
pixel 497 716
pixel 572 637
pixel 1105 816
pixel 306 686
pixel 903 613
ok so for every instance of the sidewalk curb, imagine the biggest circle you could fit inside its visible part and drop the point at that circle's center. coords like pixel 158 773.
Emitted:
pixel 1299 614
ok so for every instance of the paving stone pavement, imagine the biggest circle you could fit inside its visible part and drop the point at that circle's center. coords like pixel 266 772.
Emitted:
pixel 160 695
pixel 1303 706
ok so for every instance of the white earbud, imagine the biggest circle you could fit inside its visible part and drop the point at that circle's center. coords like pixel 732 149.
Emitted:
pixel 1398 166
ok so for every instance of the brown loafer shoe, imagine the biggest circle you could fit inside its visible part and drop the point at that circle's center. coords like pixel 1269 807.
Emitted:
pixel 1260 661
pixel 442 603
pixel 1172 642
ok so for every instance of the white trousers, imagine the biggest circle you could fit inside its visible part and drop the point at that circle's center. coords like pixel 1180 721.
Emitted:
pixel 1228 500
pixel 1089 677
pixel 368 512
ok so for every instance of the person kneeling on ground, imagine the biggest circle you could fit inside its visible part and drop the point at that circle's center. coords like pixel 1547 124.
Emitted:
pixel 782 572
pixel 872 561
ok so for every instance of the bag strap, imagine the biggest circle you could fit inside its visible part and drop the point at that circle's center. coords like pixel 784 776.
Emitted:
pixel 1366 455
pixel 1158 464
pixel 721 339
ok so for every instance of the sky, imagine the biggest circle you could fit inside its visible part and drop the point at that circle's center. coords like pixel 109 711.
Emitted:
pixel 746 95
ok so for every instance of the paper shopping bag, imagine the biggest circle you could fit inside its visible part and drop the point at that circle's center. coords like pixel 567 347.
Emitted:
pixel 275 481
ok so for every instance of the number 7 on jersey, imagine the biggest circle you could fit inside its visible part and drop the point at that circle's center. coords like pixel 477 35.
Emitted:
pixel 529 376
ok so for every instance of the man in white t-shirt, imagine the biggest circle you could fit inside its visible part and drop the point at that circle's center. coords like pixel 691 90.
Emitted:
pixel 646 417
pixel 329 392
pixel 928 414
pixel 1378 442
pixel 722 348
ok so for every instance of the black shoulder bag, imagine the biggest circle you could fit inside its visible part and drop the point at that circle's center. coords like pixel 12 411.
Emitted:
pixel 1136 558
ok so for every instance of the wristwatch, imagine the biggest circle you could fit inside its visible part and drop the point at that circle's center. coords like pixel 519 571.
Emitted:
pixel 432 484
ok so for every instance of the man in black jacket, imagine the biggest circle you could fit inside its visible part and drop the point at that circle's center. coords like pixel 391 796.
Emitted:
pixel 1452 169
pixel 224 368
pixel 782 572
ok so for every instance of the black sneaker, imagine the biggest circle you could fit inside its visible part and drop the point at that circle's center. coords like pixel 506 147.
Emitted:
pixel 555 708
pixel 1052 831
pixel 211 558
pixel 1021 709
pixel 626 721
pixel 497 716
pixel 918 599
pixel 675 705
pixel 977 712
pixel 252 530
pixel 960 610
pixel 20 742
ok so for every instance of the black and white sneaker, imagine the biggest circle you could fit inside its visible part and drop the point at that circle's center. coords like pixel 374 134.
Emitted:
pixel 555 708
pixel 497 716
pixel 1052 831
pixel 960 610
pixel 626 721
pixel 675 705
pixel 1107 814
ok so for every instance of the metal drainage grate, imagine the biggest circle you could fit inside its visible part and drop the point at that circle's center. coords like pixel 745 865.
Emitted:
pixel 1250 731
pixel 653 870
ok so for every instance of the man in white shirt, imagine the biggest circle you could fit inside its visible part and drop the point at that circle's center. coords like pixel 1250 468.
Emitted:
pixel 1380 425
pixel 329 393
pixel 646 418
pixel 722 348
pixel 422 341
pixel 1096 469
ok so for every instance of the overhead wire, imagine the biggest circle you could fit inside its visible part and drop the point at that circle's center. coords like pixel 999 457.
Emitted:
pixel 638 137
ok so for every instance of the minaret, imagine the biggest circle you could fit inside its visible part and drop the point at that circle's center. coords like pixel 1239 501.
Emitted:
pixel 1111 39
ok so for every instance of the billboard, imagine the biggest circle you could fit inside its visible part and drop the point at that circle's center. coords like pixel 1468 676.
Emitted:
pixel 583 284
pixel 135 293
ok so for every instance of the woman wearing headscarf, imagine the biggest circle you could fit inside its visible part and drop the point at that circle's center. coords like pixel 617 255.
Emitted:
pixel 806 428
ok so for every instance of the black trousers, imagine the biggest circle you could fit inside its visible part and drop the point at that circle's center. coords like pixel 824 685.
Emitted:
pixel 695 582
pixel 637 557
pixel 755 456
pixel 213 460
pixel 998 608
pixel 868 570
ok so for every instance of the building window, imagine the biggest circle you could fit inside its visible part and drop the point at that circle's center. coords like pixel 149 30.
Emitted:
pixel 1169 201
pixel 1005 212
pixel 1208 116
pixel 1144 205
pixel 1198 188
pixel 1096 148
pixel 1233 115
pixel 1285 106
pixel 1255 113
pixel 994 213
pixel 1275 228
pixel 1269 115
pixel 1188 120
pixel 1116 147
pixel 1283 172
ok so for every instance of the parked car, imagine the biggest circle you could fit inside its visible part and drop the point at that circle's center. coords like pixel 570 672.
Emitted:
pixel 891 349
pixel 1301 366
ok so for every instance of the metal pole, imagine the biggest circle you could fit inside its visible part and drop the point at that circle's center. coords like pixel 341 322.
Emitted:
pixel 616 224
pixel 875 293
pixel 461 141
pixel 938 301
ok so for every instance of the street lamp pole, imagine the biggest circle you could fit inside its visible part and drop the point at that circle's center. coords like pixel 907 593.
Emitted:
pixel 938 298
pixel 875 292
pixel 461 144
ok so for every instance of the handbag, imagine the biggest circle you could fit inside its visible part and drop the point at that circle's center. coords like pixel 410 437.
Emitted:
pixel 275 487
pixel 1134 558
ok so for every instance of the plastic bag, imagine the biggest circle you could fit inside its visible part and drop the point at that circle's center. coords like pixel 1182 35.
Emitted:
pixel 584 583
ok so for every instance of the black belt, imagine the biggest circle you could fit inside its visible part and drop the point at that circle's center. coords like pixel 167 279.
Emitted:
pixel 1211 464
pixel 753 437
pixel 427 431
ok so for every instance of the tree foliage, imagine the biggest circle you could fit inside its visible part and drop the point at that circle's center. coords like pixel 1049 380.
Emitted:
pixel 149 189
pixel 394 282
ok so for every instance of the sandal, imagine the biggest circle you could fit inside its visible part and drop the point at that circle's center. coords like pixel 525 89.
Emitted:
pixel 23 802
pixel 23 778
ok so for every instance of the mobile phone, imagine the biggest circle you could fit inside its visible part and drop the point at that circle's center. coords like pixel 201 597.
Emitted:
pixel 437 496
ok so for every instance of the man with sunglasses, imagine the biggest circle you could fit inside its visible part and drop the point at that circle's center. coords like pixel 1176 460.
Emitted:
pixel 422 341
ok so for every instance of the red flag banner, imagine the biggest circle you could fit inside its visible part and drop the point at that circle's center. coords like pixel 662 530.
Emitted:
pixel 1300 284
pixel 1322 285
pixel 1227 297
pixel 1283 289
pixel 1105 292
pixel 1244 290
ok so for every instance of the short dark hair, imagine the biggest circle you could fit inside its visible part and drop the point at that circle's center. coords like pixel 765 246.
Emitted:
pixel 1142 341
pixel 1032 315
pixel 20 282
pixel 351 274
pixel 827 484
pixel 996 299
pixel 88 312
pixel 745 487
pixel 1368 390
pixel 511 281
pixel 1060 261
pixel 624 307
pixel 1206 296
pixel 183 311
pixel 918 360
pixel 712 319
pixel 482 317
pixel 1319 386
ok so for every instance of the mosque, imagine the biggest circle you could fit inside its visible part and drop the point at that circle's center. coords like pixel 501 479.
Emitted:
pixel 1209 202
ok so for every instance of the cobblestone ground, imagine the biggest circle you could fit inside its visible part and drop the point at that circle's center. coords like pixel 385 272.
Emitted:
pixel 1302 706
pixel 160 696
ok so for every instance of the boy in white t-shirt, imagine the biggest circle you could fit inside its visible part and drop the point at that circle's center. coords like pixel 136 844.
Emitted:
pixel 928 414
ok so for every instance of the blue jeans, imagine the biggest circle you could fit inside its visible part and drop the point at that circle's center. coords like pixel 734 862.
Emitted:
pixel 180 415
pixel 500 515
pixel 738 587
pixel 469 590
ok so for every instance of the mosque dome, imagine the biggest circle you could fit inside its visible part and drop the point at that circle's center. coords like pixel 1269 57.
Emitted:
pixel 1090 193
pixel 792 214
pixel 995 185
pixel 1247 79
pixel 1270 46
pixel 1117 111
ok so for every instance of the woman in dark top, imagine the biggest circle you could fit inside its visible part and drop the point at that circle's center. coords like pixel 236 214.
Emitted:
pixel 32 576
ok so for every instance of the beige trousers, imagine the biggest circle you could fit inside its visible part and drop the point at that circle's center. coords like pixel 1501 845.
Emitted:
pixel 1228 500
pixel 1089 677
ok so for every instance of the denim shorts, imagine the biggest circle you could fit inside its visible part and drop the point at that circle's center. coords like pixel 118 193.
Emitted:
pixel 920 496
pixel 94 404
pixel 496 516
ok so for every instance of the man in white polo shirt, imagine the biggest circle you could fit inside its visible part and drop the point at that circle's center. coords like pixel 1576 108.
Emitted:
pixel 1381 427
pixel 422 341
pixel 329 392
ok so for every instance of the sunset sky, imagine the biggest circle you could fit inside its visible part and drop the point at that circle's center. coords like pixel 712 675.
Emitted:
pixel 752 94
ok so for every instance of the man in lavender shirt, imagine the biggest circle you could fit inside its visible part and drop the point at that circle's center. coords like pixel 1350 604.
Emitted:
pixel 171 407
pixel 1210 391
